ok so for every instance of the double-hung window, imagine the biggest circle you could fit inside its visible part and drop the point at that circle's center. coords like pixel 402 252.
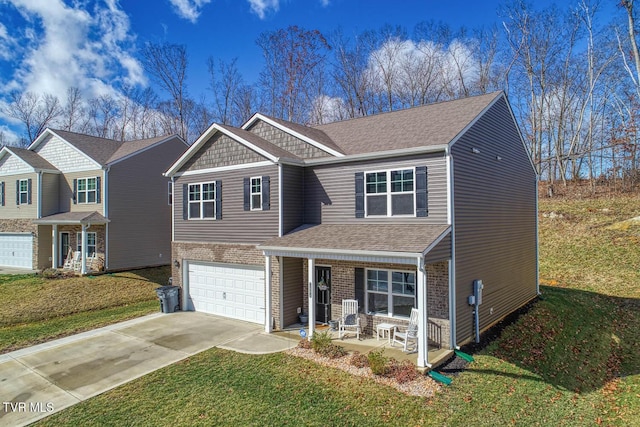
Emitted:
pixel 202 200
pixel 91 243
pixel 87 190
pixel 391 293
pixel 256 193
pixel 23 192
pixel 390 193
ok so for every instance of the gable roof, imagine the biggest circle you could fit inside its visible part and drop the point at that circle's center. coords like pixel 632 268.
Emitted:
pixel 30 158
pixel 250 140
pixel 103 151
pixel 429 125
pixel 310 135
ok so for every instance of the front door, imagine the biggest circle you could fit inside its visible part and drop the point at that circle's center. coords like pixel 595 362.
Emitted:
pixel 323 294
pixel 64 248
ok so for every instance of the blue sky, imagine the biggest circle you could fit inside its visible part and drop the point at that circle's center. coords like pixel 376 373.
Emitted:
pixel 49 45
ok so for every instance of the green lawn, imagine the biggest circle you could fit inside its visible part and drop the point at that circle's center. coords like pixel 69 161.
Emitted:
pixel 34 309
pixel 572 360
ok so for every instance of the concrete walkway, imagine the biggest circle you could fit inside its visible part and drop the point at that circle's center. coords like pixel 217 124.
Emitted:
pixel 43 379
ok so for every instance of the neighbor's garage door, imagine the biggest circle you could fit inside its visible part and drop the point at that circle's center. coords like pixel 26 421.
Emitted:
pixel 16 250
pixel 235 291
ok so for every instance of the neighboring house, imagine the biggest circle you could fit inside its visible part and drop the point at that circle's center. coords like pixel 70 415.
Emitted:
pixel 69 192
pixel 397 210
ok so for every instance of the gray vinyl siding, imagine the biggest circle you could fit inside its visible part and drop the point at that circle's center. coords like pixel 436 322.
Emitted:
pixel 441 252
pixel 330 191
pixel 140 229
pixel 10 208
pixel 65 192
pixel 292 197
pixel 292 289
pixel 50 198
pixel 495 220
pixel 236 224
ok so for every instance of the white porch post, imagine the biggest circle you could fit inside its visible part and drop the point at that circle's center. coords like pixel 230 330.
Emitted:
pixel 54 246
pixel 312 295
pixel 423 318
pixel 83 250
pixel 267 294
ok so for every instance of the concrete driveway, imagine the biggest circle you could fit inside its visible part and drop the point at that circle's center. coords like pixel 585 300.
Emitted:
pixel 40 380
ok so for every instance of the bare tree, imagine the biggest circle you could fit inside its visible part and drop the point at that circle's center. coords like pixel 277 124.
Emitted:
pixel 35 112
pixel 167 65
pixel 225 82
pixel 293 57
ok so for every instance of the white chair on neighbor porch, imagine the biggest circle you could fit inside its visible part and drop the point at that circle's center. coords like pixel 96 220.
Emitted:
pixel 410 335
pixel 350 321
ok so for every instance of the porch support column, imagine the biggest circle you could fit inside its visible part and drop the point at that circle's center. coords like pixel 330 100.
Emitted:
pixel 54 246
pixel 83 250
pixel 267 294
pixel 311 267
pixel 423 318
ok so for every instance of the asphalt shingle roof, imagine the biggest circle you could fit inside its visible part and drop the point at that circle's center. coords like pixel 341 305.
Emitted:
pixel 31 158
pixel 409 238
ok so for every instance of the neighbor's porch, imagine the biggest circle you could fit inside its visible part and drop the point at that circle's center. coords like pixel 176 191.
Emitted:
pixel 78 241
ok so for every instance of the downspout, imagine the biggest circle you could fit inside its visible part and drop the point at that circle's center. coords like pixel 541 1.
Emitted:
pixel 423 319
pixel 280 207
pixel 105 212
pixel 173 204
pixel 452 263
pixel 39 207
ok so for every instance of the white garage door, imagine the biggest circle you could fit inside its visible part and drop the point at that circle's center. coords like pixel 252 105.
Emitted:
pixel 16 250
pixel 235 291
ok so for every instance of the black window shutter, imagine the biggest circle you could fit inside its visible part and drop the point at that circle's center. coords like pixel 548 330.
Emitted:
pixel 185 201
pixel 359 194
pixel 247 194
pixel 359 290
pixel 29 191
pixel 2 193
pixel 422 208
pixel 218 199
pixel 18 192
pixel 98 189
pixel 266 202
pixel 75 191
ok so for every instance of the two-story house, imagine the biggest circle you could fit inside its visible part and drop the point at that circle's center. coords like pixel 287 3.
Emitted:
pixel 432 207
pixel 104 200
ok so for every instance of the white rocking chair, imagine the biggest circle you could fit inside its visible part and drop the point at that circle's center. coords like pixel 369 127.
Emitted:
pixel 350 319
pixel 410 335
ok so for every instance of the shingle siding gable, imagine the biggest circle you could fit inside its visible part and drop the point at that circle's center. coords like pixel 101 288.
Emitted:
pixel 286 141
pixel 220 151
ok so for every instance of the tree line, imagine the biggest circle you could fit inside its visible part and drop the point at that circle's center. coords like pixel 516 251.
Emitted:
pixel 572 75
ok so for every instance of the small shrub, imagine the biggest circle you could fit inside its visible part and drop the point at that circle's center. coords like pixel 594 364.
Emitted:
pixel 402 372
pixel 304 343
pixel 319 340
pixel 50 273
pixel 377 362
pixel 332 351
pixel 359 360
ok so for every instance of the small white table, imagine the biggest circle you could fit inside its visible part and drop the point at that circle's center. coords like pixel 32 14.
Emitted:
pixel 385 328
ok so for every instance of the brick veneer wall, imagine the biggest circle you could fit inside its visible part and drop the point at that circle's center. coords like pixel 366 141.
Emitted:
pixel 343 287
pixel 228 254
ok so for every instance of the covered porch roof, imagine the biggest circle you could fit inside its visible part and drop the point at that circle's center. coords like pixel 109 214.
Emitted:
pixel 397 243
pixel 73 218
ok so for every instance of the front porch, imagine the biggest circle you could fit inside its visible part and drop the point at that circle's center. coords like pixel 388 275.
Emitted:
pixel 389 270
pixel 367 343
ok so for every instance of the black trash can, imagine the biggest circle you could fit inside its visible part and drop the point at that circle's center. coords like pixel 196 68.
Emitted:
pixel 168 296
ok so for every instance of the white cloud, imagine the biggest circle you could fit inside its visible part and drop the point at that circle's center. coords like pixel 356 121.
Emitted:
pixel 72 45
pixel 324 3
pixel 261 7
pixel 189 9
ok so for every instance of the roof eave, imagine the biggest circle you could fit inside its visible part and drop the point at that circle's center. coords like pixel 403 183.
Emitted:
pixel 378 155
pixel 273 250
